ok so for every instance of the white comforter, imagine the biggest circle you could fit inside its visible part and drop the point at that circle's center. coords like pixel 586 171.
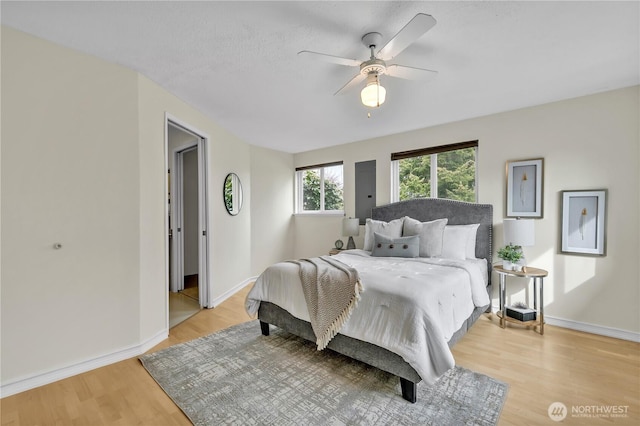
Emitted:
pixel 411 307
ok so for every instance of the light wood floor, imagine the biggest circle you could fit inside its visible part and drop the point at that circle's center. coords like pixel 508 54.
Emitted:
pixel 574 368
pixel 181 308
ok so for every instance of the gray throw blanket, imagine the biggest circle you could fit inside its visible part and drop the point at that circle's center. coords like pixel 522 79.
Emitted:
pixel 331 290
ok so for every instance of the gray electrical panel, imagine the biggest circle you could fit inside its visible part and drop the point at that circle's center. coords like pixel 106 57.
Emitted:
pixel 365 189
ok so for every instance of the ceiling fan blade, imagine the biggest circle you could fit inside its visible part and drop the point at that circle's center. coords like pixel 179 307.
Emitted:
pixel 351 83
pixel 410 73
pixel 420 24
pixel 331 58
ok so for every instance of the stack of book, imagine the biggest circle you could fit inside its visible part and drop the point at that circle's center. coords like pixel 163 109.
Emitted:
pixel 522 314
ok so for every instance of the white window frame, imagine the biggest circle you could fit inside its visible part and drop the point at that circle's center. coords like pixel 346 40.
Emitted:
pixel 299 199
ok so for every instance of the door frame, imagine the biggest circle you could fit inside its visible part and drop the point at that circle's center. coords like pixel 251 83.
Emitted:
pixel 202 139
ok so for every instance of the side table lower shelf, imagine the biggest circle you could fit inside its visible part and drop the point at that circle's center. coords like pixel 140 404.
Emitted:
pixel 532 323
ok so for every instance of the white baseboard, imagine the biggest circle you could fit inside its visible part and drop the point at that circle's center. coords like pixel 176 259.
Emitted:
pixel 227 294
pixel 31 382
pixel 601 330
pixel 23 384
pixel 593 329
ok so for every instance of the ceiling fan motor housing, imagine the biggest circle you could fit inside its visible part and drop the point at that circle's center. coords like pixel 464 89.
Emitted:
pixel 373 66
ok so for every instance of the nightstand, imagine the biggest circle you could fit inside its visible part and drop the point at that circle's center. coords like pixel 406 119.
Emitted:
pixel 528 272
pixel 334 251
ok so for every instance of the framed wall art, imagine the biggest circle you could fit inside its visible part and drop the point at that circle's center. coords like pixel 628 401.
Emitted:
pixel 584 222
pixel 524 188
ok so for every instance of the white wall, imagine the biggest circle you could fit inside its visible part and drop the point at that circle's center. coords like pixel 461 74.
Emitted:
pixel 272 175
pixel 587 143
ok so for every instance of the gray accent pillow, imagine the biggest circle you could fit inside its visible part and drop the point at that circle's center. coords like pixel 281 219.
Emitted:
pixel 384 246
pixel 392 229
pixel 430 233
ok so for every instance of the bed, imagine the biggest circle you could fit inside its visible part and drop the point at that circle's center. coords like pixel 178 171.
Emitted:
pixel 377 346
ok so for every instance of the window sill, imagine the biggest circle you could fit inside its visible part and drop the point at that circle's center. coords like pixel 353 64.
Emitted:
pixel 331 213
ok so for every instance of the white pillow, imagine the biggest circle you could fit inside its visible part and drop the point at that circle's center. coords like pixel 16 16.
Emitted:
pixel 431 234
pixel 391 229
pixel 459 241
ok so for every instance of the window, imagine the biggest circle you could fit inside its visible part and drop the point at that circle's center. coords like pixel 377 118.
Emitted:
pixel 319 189
pixel 447 171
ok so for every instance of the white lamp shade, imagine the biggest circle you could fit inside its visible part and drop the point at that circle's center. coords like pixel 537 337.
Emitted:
pixel 350 227
pixel 520 232
pixel 373 94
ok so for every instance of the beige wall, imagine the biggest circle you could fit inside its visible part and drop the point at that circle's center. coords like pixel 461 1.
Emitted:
pixel 229 251
pixel 70 176
pixel 272 208
pixel 587 143
pixel 83 164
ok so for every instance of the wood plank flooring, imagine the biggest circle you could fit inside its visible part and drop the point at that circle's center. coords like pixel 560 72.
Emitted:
pixel 181 308
pixel 577 369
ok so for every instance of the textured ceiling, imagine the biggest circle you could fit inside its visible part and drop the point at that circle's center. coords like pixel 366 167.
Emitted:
pixel 237 62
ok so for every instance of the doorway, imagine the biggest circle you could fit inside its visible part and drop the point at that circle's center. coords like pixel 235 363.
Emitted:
pixel 187 239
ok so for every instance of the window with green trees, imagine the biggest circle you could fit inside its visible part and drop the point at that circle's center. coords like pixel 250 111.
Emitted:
pixel 320 188
pixel 447 171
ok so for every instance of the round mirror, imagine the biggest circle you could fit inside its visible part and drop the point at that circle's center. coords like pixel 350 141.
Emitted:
pixel 232 193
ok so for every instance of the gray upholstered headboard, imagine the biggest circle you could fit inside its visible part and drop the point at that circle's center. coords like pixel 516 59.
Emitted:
pixel 458 212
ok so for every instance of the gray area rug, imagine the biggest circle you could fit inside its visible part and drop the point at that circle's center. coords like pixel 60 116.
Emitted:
pixel 238 376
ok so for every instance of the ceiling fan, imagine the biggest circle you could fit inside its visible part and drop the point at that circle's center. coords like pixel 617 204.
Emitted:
pixel 374 94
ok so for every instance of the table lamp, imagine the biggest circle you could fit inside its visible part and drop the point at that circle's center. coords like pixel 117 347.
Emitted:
pixel 350 228
pixel 520 232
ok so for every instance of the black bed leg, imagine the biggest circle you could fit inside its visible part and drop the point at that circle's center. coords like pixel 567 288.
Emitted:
pixel 409 390
pixel 264 327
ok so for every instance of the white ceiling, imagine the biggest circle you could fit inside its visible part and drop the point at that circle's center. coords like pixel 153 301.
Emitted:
pixel 237 61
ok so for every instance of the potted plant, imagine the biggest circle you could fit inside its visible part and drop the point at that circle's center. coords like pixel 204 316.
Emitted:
pixel 510 255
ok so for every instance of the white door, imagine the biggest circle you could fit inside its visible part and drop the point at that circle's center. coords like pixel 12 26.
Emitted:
pixel 182 232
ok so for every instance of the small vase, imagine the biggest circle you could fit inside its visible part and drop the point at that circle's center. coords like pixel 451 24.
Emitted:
pixel 507 265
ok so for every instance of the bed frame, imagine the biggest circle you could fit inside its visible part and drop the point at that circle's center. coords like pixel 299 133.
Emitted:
pixel 423 209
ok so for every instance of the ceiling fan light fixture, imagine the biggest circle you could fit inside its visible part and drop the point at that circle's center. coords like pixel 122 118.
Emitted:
pixel 373 94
